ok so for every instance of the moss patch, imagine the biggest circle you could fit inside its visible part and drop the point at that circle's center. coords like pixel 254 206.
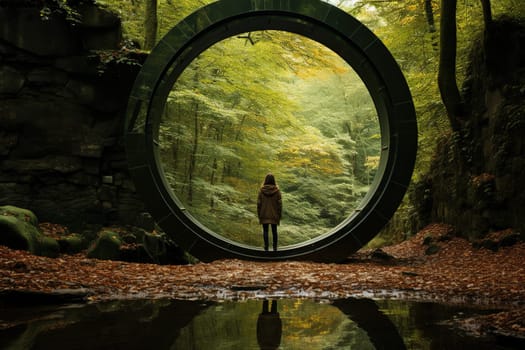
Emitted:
pixel 19 230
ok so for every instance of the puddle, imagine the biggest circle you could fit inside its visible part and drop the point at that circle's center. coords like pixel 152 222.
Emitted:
pixel 255 324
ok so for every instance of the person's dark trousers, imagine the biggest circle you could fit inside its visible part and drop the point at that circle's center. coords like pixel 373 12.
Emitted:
pixel 274 236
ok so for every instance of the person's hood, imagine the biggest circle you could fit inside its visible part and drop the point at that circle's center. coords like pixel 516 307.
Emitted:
pixel 269 190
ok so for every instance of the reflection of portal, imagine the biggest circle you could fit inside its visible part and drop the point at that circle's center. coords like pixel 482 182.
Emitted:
pixel 380 329
pixel 269 327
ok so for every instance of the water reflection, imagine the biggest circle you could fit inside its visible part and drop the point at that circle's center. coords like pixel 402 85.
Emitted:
pixel 258 324
pixel 379 328
pixel 269 327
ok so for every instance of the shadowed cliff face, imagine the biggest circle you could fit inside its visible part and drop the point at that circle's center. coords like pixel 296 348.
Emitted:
pixel 476 182
pixel 62 103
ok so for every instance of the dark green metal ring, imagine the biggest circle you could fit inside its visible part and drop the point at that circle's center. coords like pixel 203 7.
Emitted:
pixel 318 21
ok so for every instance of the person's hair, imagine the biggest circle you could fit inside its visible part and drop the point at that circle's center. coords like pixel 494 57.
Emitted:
pixel 269 180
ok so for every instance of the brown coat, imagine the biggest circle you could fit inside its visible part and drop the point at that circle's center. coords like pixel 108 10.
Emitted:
pixel 269 205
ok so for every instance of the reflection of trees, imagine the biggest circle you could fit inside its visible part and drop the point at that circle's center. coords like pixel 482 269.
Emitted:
pixel 242 109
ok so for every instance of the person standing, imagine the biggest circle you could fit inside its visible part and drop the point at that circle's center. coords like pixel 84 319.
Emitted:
pixel 269 209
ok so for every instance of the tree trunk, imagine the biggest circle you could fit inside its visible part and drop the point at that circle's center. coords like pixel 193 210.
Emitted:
pixel 193 155
pixel 430 16
pixel 212 182
pixel 150 24
pixel 487 13
pixel 447 65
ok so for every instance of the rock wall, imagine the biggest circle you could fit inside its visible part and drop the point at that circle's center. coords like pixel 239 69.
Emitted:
pixel 476 181
pixel 62 105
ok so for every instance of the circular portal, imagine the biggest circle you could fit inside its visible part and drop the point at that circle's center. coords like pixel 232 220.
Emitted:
pixel 313 19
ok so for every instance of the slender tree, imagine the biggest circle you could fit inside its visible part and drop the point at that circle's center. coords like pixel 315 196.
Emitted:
pixel 150 24
pixel 447 65
pixel 430 16
pixel 487 13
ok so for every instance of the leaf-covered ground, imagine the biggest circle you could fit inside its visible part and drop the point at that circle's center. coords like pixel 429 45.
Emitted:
pixel 456 273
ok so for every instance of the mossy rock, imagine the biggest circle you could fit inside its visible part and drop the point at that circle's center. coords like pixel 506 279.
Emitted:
pixel 71 244
pixel 47 246
pixel 162 250
pixel 106 246
pixel 155 246
pixel 19 213
pixel 15 234
pixel 18 230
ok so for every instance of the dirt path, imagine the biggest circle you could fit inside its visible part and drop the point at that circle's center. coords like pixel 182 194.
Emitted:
pixel 456 273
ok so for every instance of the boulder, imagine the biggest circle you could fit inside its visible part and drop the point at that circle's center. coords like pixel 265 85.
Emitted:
pixel 96 17
pixel 71 244
pixel 101 28
pixel 47 246
pixel 150 247
pixel 14 233
pixel 162 250
pixel 19 230
pixel 20 214
pixel 24 28
pixel 106 246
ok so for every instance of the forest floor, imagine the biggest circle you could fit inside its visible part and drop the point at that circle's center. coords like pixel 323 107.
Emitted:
pixel 455 273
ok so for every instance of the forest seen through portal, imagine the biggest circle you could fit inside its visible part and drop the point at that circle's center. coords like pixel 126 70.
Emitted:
pixel 269 101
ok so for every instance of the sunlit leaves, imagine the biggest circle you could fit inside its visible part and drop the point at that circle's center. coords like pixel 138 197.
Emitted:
pixel 312 154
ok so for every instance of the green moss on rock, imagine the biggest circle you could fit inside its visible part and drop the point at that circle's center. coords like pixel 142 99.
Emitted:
pixel 19 230
pixel 47 246
pixel 19 213
pixel 14 234
pixel 71 244
pixel 106 246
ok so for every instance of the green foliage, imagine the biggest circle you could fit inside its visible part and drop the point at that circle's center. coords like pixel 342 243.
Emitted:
pixel 61 8
pixel 106 58
pixel 169 12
